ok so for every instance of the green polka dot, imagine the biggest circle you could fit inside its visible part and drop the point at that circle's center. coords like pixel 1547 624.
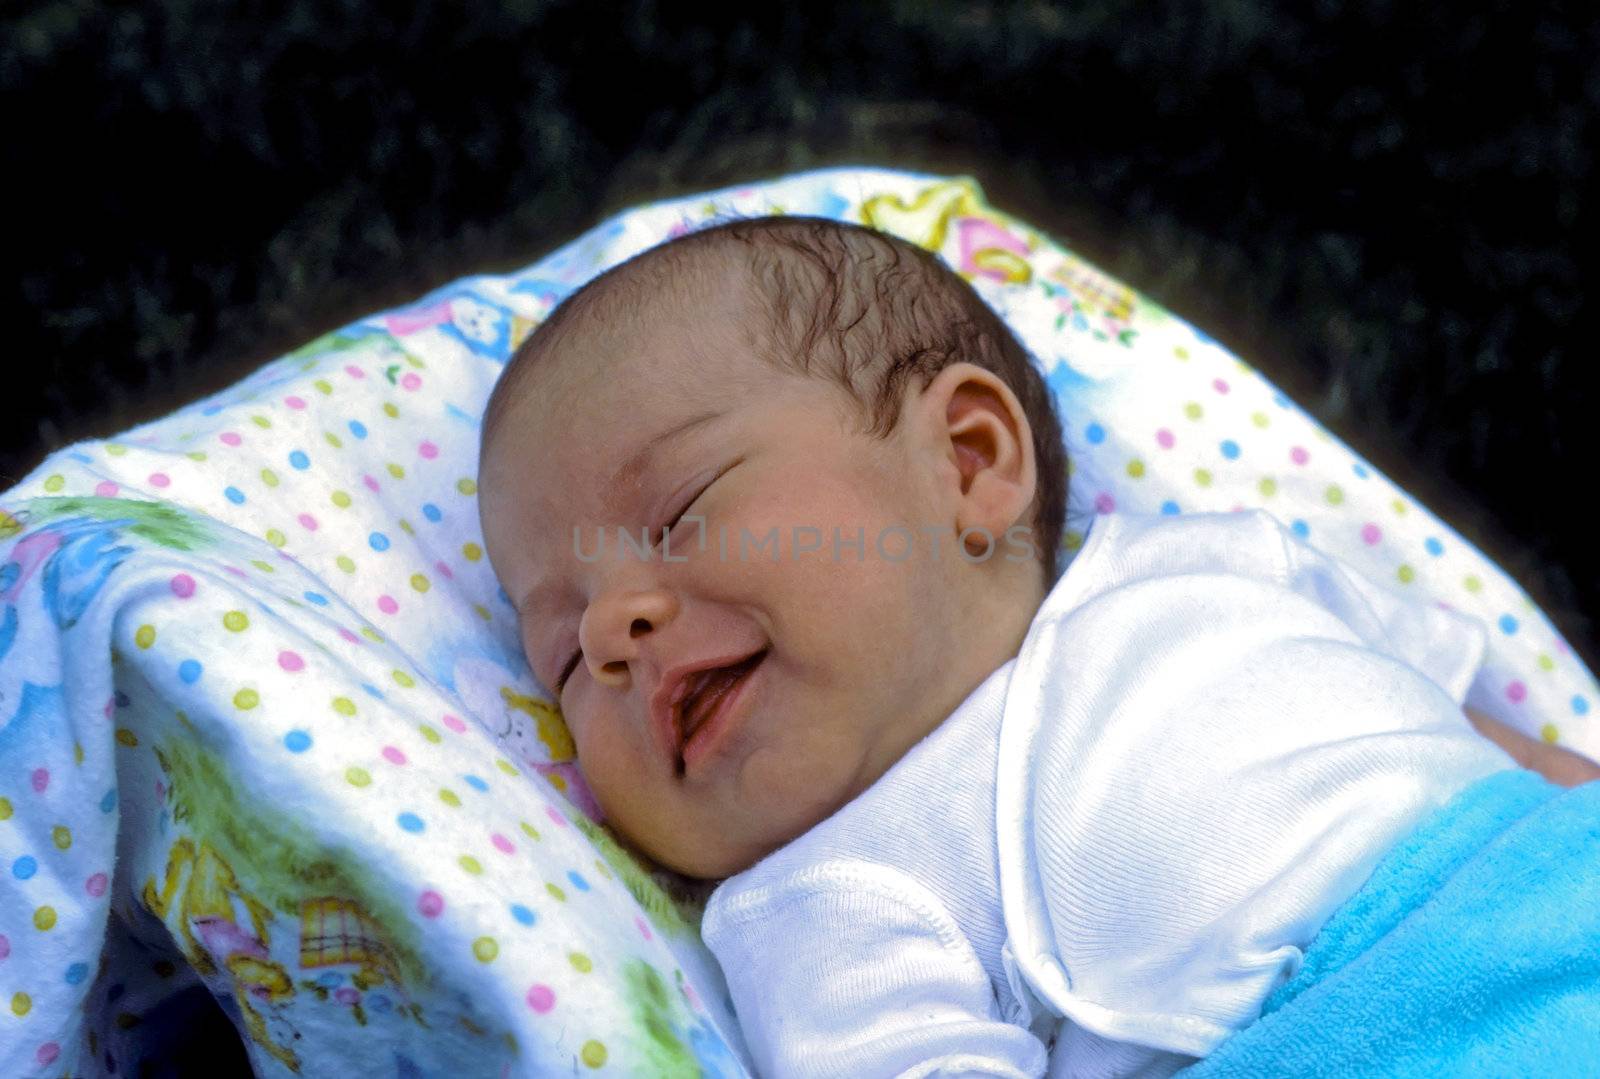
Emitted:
pixel 357 777
pixel 269 477
pixel 1405 573
pixel 466 486
pixel 1181 353
pixel 345 563
pixel 485 949
pixel 506 766
pixel 333 440
pixel 5 809
pixel 1136 468
pixel 1472 584
pixel 372 635
pixel 593 1053
pixel 21 1004
pixel 344 706
pixel 580 962
pixel 555 892
pixel 1545 664
pixel 55 483
pixel 264 567
pixel 44 919
pixel 430 734
pixel 391 410
pixel 527 829
pixel 482 612
pixel 127 738
pixel 236 621
pixel 1260 419
pixel 145 636
pixel 1399 507
pixel 1550 733
pixel 1268 486
pixel 471 552
pixel 323 386
pixel 116 449
pixel 61 836
pixel 1193 410
pixel 471 864
pixel 340 499
pixel 1202 477
pixel 246 699
pixel 276 538
pixel 261 422
pixel 402 678
pixel 419 582
pixel 196 455
pixel 405 526
pixel 449 797
pixel 1333 494
pixel 396 471
pixel 1072 539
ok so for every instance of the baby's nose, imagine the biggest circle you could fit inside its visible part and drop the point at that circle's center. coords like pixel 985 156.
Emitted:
pixel 615 627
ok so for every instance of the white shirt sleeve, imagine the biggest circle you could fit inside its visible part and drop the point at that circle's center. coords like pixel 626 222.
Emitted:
pixel 848 968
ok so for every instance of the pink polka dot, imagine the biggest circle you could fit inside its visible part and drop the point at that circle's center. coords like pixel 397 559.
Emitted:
pixel 1164 438
pixel 691 996
pixel 41 779
pixel 182 586
pixel 347 995
pixel 105 489
pixel 5 946
pixel 1219 385
pixel 353 371
pixel 307 522
pixel 47 1053
pixel 294 402
pixel 393 755
pixel 541 998
pixel 643 928
pixel 555 816
pixel 372 484
pixel 502 844
pixel 1517 692
pixel 237 572
pixel 428 450
pixel 160 479
pixel 1104 503
pixel 230 439
pixel 1371 533
pixel 291 661
pixel 96 885
pixel 1299 456
pixel 1561 647
pixel 387 605
pixel 445 571
pixel 411 380
pixel 347 635
pixel 110 704
pixel 454 724
pixel 430 903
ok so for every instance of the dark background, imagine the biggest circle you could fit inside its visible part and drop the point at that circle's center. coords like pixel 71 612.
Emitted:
pixel 1383 206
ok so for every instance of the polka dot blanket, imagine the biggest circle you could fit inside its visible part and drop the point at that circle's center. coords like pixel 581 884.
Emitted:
pixel 268 742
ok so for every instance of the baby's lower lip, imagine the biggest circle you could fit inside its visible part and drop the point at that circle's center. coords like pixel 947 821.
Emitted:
pixel 728 715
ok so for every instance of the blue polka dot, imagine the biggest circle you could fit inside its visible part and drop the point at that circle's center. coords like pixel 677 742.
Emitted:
pixel 1095 433
pixel 234 495
pixel 299 460
pixel 577 880
pixel 77 973
pixel 109 802
pixel 372 690
pixel 522 914
pixel 410 822
pixel 330 980
pixel 318 598
pixel 358 429
pixel 1280 400
pixel 1580 706
pixel 1169 507
pixel 1230 449
pixel 297 741
pixel 1508 624
pixel 432 512
pixel 475 783
pixel 189 671
pixel 1433 547
pixel 211 410
pixel 121 698
pixel 1360 472
pixel 81 458
pixel 1300 528
pixel 379 541
pixel 24 867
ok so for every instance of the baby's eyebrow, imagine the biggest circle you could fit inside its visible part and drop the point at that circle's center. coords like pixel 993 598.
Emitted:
pixel 627 474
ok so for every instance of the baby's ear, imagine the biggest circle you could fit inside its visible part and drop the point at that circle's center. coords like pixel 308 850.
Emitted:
pixel 984 434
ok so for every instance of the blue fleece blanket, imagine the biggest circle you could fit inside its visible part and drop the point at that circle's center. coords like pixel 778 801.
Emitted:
pixel 1474 949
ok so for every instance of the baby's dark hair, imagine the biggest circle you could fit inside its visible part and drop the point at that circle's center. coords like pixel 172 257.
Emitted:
pixel 860 307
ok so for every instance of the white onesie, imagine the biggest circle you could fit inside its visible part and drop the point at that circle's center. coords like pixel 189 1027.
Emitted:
pixel 1105 860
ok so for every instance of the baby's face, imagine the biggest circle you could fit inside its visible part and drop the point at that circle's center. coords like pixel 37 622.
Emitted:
pixel 843 660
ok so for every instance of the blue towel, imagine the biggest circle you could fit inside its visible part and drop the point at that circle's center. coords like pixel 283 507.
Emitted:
pixel 1474 949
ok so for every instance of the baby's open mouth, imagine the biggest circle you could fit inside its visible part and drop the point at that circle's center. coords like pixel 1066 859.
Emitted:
pixel 706 690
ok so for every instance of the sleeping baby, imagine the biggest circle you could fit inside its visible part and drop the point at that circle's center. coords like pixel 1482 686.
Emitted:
pixel 780 504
